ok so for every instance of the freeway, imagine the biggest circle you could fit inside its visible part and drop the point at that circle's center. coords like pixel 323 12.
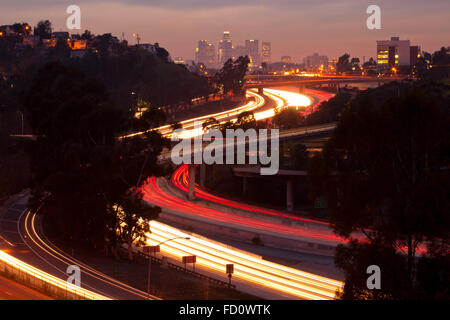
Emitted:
pixel 228 115
pixel 23 243
pixel 158 192
pixel 252 273
pixel 261 107
pixel 180 179
pixel 22 240
pixel 11 290
pixel 255 83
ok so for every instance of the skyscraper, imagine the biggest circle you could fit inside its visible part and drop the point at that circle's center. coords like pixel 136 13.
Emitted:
pixel 252 47
pixel 266 52
pixel 225 48
pixel 206 53
pixel 239 51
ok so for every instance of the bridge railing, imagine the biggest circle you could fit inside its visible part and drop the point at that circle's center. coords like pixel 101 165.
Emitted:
pixel 187 271
pixel 48 284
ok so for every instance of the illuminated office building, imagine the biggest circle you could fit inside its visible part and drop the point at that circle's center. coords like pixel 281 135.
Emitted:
pixel 266 52
pixel 395 53
pixel 206 53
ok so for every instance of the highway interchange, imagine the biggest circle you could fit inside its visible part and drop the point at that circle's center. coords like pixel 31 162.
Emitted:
pixel 22 238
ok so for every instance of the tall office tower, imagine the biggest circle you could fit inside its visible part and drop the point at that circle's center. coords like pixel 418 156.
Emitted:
pixel 266 52
pixel 252 47
pixel 395 53
pixel 239 51
pixel 206 53
pixel 225 48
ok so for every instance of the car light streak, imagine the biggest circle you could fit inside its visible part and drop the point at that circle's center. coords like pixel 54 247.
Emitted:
pixel 155 195
pixel 166 130
pixel 52 280
pixel 293 99
pixel 33 236
pixel 214 257
pixel 180 179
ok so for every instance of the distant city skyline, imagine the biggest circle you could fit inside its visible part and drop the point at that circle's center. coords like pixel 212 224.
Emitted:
pixel 295 29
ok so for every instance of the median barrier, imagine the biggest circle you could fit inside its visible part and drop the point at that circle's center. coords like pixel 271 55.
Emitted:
pixel 45 283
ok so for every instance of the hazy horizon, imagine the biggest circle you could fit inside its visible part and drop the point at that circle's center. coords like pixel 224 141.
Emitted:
pixel 295 28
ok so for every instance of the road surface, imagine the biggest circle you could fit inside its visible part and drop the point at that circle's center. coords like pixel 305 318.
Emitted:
pixel 21 239
pixel 10 290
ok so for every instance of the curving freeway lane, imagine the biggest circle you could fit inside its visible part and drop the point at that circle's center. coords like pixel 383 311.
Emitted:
pixel 11 290
pixel 23 244
pixel 22 240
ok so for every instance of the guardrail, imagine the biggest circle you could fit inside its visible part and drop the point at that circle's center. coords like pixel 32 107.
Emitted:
pixel 190 272
pixel 34 278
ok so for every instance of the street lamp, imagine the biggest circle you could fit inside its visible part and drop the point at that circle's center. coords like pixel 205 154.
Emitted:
pixel 155 248
pixel 135 35
pixel 20 113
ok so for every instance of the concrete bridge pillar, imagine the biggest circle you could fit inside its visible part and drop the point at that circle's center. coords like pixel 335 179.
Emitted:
pixel 260 90
pixel 191 171
pixel 301 89
pixel 290 195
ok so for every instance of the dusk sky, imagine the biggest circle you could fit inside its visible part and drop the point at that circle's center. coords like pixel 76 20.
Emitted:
pixel 294 27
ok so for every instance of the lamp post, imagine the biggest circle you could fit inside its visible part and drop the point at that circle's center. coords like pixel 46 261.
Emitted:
pixel 155 248
pixel 20 113
pixel 138 39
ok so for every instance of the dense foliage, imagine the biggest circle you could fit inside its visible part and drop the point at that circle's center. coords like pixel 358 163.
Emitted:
pixel 386 169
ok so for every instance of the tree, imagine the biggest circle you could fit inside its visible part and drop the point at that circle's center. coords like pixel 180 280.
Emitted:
pixel 355 63
pixel 295 156
pixel 354 259
pixel 329 111
pixel 384 174
pixel 265 67
pixel 43 29
pixel 21 28
pixel 87 35
pixel 231 76
pixel 441 57
pixel 369 63
pixel 84 176
pixel 246 120
pixel 163 54
pixel 343 64
pixel 288 119
pixel 132 221
pixel 210 124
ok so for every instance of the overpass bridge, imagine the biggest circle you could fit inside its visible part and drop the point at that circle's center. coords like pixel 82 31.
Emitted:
pixel 261 82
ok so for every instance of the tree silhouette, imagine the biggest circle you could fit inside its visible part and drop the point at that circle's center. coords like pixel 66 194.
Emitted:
pixel 80 170
pixel 382 170
pixel 231 76
pixel 43 29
